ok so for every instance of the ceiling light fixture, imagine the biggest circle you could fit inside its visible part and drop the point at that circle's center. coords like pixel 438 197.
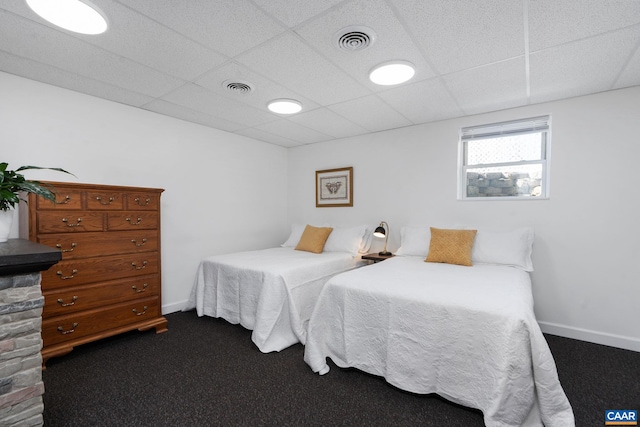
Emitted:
pixel 284 106
pixel 73 15
pixel 392 73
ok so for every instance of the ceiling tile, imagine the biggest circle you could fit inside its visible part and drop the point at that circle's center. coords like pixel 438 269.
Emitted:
pixel 553 22
pixel 292 13
pixel 264 89
pixel 47 74
pixel 631 74
pixel 370 113
pixel 293 131
pixel 267 137
pixel 171 57
pixel 391 42
pixel 581 67
pixel 142 40
pixel 328 122
pixel 199 99
pixel 456 35
pixel 503 86
pixel 288 61
pixel 227 26
pixel 184 113
pixel 422 102
pixel 27 39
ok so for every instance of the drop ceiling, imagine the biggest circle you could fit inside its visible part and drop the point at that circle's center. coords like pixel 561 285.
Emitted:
pixel 176 57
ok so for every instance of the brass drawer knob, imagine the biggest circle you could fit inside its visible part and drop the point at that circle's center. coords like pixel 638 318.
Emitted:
pixel 144 311
pixel 66 221
pixel 111 199
pixel 139 267
pixel 135 242
pixel 68 331
pixel 63 277
pixel 66 201
pixel 73 246
pixel 130 221
pixel 67 304
pixel 137 291
pixel 139 202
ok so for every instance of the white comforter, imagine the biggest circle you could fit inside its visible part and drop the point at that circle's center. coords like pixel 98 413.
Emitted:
pixel 468 334
pixel 271 291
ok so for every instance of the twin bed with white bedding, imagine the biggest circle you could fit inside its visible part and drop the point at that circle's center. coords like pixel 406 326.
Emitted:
pixel 273 291
pixel 468 334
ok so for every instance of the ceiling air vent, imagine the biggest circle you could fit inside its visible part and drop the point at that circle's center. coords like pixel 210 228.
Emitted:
pixel 355 38
pixel 238 86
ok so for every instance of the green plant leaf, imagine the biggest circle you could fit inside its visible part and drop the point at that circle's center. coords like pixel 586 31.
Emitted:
pixel 22 168
pixel 13 183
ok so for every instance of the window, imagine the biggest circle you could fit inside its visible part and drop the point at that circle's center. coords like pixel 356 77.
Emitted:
pixel 508 160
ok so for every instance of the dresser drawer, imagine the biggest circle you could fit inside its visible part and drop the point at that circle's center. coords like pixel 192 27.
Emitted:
pixel 66 199
pixel 132 220
pixel 69 222
pixel 105 200
pixel 69 327
pixel 71 300
pixel 143 201
pixel 84 245
pixel 91 270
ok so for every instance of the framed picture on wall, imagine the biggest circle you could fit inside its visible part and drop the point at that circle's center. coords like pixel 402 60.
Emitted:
pixel 334 188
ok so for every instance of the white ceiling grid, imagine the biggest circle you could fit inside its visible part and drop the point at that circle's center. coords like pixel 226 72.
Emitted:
pixel 172 57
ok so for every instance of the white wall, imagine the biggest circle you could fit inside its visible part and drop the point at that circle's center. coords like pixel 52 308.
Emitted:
pixel 586 254
pixel 223 192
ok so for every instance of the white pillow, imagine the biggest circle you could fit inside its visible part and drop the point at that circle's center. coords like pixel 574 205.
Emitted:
pixel 511 248
pixel 294 237
pixel 366 240
pixel 346 239
pixel 414 241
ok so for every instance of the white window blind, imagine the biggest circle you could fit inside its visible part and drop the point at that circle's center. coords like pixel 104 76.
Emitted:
pixel 514 127
pixel 505 160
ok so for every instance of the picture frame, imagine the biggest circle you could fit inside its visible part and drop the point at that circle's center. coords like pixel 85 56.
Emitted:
pixel 334 188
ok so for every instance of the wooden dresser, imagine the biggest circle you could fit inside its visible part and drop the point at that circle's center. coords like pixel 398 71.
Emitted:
pixel 108 281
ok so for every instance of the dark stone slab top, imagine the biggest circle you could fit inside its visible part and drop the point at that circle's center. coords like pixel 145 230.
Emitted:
pixel 21 256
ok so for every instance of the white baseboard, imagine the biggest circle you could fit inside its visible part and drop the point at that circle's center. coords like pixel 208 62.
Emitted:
pixel 619 341
pixel 172 308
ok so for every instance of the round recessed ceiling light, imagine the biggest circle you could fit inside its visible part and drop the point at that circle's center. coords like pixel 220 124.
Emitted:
pixel 73 15
pixel 284 106
pixel 392 73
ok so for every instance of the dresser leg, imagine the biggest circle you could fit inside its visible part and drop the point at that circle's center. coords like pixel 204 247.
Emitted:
pixel 160 326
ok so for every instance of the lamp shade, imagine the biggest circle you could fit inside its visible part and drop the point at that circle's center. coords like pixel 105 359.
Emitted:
pixel 380 232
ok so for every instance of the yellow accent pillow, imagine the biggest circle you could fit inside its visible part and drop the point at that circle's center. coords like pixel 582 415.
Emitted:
pixel 313 239
pixel 451 246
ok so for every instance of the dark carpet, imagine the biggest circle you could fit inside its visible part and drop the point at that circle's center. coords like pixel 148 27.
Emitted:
pixel 207 372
